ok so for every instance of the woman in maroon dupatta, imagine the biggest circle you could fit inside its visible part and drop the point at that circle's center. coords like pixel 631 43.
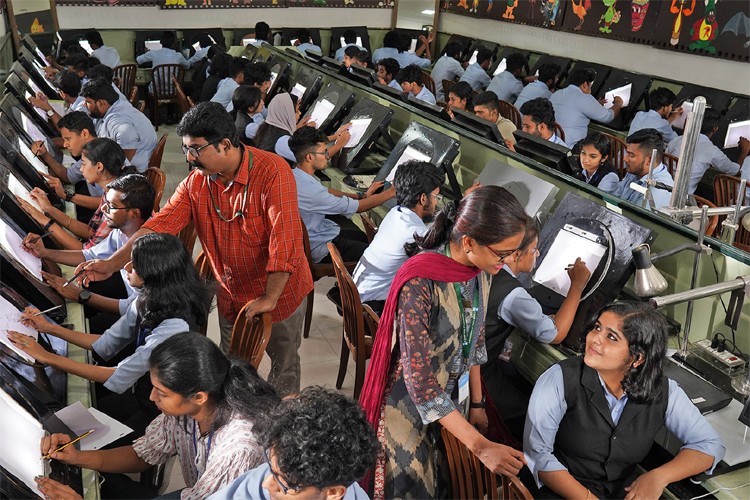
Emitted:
pixel 436 308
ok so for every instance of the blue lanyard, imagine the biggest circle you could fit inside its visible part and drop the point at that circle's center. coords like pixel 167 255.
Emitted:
pixel 208 443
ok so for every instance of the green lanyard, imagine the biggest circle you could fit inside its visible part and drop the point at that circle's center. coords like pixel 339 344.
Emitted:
pixel 466 338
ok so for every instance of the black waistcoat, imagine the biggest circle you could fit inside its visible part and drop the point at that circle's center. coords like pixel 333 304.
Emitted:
pixel 604 169
pixel 495 329
pixel 601 456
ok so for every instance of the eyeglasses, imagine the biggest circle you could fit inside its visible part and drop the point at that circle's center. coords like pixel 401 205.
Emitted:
pixel 283 487
pixel 438 197
pixel 502 254
pixel 324 153
pixel 107 208
pixel 195 152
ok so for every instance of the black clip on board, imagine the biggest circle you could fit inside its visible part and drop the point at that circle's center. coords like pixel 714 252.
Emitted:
pixel 591 226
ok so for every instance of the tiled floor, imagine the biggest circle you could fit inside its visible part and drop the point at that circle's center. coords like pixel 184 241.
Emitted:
pixel 320 353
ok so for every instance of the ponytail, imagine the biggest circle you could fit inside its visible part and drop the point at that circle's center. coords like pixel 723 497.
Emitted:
pixel 188 363
pixel 489 215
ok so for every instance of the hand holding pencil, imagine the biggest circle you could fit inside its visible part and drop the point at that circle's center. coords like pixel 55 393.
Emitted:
pixel 60 447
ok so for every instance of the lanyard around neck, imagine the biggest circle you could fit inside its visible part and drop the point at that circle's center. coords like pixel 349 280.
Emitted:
pixel 467 338
pixel 240 212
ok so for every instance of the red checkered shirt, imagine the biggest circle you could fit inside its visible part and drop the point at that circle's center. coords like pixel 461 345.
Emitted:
pixel 99 229
pixel 266 239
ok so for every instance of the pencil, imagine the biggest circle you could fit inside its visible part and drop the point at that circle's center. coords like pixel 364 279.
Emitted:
pixel 48 310
pixel 67 444
pixel 40 237
pixel 71 280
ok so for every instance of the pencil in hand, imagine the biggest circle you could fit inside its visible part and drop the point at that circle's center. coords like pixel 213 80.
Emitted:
pixel 60 448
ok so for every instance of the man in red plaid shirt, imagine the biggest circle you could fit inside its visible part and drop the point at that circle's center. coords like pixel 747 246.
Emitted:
pixel 243 202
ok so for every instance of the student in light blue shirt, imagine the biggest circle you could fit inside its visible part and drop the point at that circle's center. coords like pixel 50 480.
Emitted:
pixel 165 55
pixel 637 161
pixel 410 79
pixel 389 48
pixel 707 154
pixel 447 68
pixel 593 419
pixel 596 168
pixel 350 38
pixel 575 107
pixel 539 120
pixel 507 85
pixel 541 87
pixel 322 426
pixel 228 85
pixel 304 42
pixel 476 73
pixel 311 151
pixel 205 41
pixel 387 69
pixel 116 119
pixel 660 116
pixel 106 55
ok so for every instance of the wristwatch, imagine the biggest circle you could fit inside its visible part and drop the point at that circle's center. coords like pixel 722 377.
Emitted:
pixel 50 113
pixel 83 296
pixel 69 194
pixel 481 404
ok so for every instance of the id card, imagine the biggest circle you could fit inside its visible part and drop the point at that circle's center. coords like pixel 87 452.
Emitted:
pixel 463 387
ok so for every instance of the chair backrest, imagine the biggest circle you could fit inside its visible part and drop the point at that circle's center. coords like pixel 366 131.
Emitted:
pixel 158 180
pixel 428 82
pixel 182 99
pixel 187 236
pixel 250 336
pixel 351 305
pixel 726 190
pixel 510 112
pixel 124 76
pixel 158 152
pixel 617 150
pixel 370 228
pixel 713 220
pixel 447 84
pixel 203 267
pixel 133 96
pixel 469 477
pixel 140 105
pixel 559 132
pixel 514 489
pixel 670 161
pixel 161 79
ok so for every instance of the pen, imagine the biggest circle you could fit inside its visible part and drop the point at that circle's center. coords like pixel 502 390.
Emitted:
pixel 67 444
pixel 47 310
pixel 71 280
pixel 40 237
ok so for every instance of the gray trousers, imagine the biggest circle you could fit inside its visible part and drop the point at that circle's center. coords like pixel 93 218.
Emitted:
pixel 282 348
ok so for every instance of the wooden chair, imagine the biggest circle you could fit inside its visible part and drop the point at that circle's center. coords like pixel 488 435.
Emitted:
pixel 713 220
pixel 670 161
pixel 354 342
pixel 726 189
pixel 617 149
pixel 428 82
pixel 158 152
pixel 470 478
pixel 559 132
pixel 184 101
pixel 204 271
pixel 250 337
pixel 133 96
pixel 162 90
pixel 187 236
pixel 158 179
pixel 447 85
pixel 370 228
pixel 510 112
pixel 124 76
pixel 318 271
pixel 140 106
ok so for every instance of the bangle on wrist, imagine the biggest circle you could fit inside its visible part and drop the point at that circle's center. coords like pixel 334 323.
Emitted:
pixel 588 494
pixel 70 221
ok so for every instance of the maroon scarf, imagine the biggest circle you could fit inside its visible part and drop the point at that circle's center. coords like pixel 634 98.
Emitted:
pixel 428 265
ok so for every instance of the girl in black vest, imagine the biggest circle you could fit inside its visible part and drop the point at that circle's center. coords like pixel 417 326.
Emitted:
pixel 247 112
pixel 593 418
pixel 509 307
pixel 596 168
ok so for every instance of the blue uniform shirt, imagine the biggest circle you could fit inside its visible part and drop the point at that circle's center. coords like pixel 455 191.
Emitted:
pixel 446 68
pixel 131 129
pixel 224 92
pixel 661 197
pixel 574 110
pixel 652 119
pixel 476 76
pixel 707 155
pixel 533 90
pixel 506 86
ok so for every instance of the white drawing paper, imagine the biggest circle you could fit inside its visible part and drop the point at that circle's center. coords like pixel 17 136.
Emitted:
pixel 357 130
pixel 321 111
pixel 735 131
pixel 358 42
pixel 298 90
pixel 500 67
pixel 20 447
pixel 38 164
pixel 18 189
pixel 13 244
pixel 10 319
pixel 564 251
pixel 473 57
pixel 33 130
pixel 687 108
pixel 409 153
pixel 81 420
pixel 622 92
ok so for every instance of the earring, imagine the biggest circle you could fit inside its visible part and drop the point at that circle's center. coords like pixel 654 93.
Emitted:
pixel 468 250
